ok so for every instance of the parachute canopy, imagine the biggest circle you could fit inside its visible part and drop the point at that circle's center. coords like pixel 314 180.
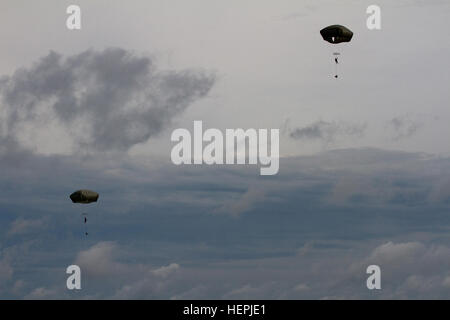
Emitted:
pixel 84 196
pixel 336 34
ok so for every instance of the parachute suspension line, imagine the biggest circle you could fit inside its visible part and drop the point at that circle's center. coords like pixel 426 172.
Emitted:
pixel 336 62
pixel 85 220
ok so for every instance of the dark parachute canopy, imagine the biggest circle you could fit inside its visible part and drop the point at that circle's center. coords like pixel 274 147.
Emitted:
pixel 84 196
pixel 336 34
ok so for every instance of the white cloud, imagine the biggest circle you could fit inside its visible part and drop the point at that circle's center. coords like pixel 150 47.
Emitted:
pixel 99 260
pixel 22 226
pixel 403 253
pixel 165 271
pixel 244 203
pixel 128 280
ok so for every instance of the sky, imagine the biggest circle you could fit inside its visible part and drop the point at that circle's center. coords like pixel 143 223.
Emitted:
pixel 364 159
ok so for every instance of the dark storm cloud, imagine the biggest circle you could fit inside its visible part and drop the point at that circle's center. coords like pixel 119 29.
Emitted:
pixel 109 100
pixel 327 131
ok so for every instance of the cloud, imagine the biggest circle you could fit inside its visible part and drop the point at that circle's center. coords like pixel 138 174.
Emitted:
pixel 404 252
pixel 411 269
pixel 22 226
pixel 159 283
pixel 245 202
pixel 100 263
pixel 318 224
pixel 404 126
pixel 99 260
pixel 328 271
pixel 97 100
pixel 165 271
pixel 327 132
pixel 43 293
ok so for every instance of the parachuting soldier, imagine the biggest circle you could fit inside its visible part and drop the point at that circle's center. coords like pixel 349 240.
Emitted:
pixel 84 197
pixel 336 34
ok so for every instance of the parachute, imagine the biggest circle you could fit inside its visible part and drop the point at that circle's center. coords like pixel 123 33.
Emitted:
pixel 336 34
pixel 84 197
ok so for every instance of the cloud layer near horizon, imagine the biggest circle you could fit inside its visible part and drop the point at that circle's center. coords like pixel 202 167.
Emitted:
pixel 162 231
